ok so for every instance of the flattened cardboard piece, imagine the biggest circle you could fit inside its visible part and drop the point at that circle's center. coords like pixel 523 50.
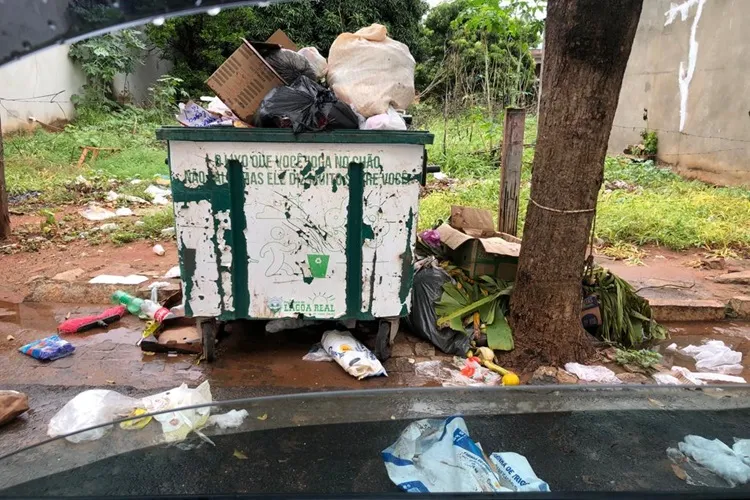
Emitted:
pixel 472 218
pixel 281 38
pixel 499 246
pixel 243 80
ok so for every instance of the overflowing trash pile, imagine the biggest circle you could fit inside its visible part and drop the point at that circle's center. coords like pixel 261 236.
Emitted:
pixel 366 83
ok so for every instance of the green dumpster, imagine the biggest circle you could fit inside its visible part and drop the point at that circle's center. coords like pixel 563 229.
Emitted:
pixel 270 224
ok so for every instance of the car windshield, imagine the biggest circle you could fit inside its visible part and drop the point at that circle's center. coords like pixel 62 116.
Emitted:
pixel 328 247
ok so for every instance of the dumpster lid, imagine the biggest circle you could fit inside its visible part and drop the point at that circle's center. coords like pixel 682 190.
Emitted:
pixel 230 134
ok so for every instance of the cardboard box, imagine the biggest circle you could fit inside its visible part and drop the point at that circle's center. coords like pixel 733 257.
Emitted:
pixel 476 247
pixel 591 314
pixel 244 79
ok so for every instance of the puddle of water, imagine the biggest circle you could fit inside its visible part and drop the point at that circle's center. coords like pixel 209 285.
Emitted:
pixel 734 334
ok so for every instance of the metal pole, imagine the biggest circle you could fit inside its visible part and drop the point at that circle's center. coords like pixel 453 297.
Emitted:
pixel 510 164
pixel 4 214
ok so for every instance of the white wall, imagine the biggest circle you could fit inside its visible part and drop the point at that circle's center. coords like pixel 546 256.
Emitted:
pixel 143 77
pixel 22 83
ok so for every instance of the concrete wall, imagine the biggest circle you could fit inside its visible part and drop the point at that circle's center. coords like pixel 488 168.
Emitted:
pixel 144 76
pixel 703 127
pixel 26 87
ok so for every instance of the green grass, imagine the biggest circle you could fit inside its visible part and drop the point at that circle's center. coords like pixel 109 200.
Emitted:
pixel 47 161
pixel 150 229
pixel 663 209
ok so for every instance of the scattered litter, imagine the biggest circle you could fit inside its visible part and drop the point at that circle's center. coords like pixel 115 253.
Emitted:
pixel 135 181
pixel 317 353
pixel 229 420
pixel 351 354
pixel 600 374
pixel 439 456
pixel 48 348
pixel 263 417
pixel 713 356
pixel 216 106
pixel 88 409
pixel 108 227
pixel 110 279
pixel 422 320
pixel 124 212
pixel 95 212
pixel 174 272
pixel 239 455
pixel 142 307
pixel 461 373
pixel 10 338
pixel 178 424
pixel 112 196
pixel 159 284
pixel 440 176
pixel 110 382
pixel 168 231
pixel 711 462
pixel 105 318
pixel 278 325
pixel 172 354
pixel 682 376
pixel 139 223
pixel 158 250
pixel 136 423
pixel 157 191
pixel 12 404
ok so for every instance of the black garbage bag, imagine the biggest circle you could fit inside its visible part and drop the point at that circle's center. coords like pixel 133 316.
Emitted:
pixel 290 65
pixel 427 289
pixel 304 106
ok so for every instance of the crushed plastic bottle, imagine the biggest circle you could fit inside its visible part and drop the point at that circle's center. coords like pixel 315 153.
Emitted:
pixel 144 307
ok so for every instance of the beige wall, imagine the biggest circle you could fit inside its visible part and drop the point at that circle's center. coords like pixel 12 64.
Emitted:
pixel 24 81
pixel 714 142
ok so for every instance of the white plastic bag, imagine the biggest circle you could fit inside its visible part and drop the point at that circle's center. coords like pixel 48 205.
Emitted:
pixel 228 420
pixel 317 353
pixel 178 424
pixel 317 61
pixel 715 456
pixel 370 71
pixel 351 354
pixel 439 456
pixel 88 409
pixel 715 356
pixel 389 120
pixel 600 374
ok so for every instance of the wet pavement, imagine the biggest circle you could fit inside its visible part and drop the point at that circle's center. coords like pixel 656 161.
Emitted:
pixel 250 362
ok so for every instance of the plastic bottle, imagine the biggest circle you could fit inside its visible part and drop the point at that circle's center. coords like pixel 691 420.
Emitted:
pixel 140 306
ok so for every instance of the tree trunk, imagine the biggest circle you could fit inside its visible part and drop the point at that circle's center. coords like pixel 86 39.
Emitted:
pixel 4 215
pixel 587 45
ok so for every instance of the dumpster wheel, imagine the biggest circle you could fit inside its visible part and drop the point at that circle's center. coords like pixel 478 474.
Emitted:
pixel 209 331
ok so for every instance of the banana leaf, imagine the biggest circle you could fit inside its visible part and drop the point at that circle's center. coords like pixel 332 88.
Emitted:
pixel 499 334
pixel 445 320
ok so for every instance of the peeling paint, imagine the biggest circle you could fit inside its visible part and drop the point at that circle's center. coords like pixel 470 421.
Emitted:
pixel 281 214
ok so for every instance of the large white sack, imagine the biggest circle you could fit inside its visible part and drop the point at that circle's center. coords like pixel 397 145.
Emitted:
pixel 371 71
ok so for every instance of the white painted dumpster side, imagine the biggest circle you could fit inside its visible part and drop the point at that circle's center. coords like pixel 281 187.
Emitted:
pixel 296 204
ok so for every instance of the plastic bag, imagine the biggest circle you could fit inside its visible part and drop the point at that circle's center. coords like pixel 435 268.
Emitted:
pixel 390 120
pixel 178 424
pixel 371 71
pixel 228 420
pixel 422 320
pixel 600 374
pixel 351 354
pixel 714 356
pixel 713 455
pixel 317 353
pixel 317 61
pixel 89 409
pixel 439 456
pixel 48 348
pixel 193 115
pixel 304 106
pixel 290 65
pixel 454 377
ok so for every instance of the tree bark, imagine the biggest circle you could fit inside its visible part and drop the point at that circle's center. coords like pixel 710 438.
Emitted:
pixel 587 45
pixel 4 214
